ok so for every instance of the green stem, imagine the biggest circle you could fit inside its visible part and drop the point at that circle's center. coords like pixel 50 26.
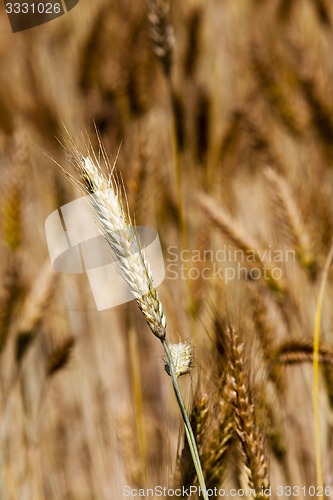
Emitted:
pixel 187 424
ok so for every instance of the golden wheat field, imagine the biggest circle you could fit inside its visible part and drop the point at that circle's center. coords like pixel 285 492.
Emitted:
pixel 218 116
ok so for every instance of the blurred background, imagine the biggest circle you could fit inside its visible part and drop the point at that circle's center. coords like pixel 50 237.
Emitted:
pixel 223 113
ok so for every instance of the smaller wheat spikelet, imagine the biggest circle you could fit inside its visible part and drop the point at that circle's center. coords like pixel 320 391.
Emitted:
pixel 182 358
pixel 115 225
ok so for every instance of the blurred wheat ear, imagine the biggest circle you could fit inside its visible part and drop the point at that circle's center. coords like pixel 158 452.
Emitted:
pixel 161 32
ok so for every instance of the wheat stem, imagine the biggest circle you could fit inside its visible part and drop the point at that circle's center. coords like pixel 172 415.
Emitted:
pixel 187 424
pixel 114 223
pixel 316 341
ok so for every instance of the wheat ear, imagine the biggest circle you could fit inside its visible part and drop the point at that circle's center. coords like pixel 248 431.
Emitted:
pixel 116 227
pixel 237 236
pixel 289 218
pixel 123 239
pixel 252 444
pixel 301 351
pixel 161 33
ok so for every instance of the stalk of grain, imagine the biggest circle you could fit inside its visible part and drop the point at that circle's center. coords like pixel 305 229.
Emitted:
pixel 198 418
pixel 316 350
pixel 114 223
